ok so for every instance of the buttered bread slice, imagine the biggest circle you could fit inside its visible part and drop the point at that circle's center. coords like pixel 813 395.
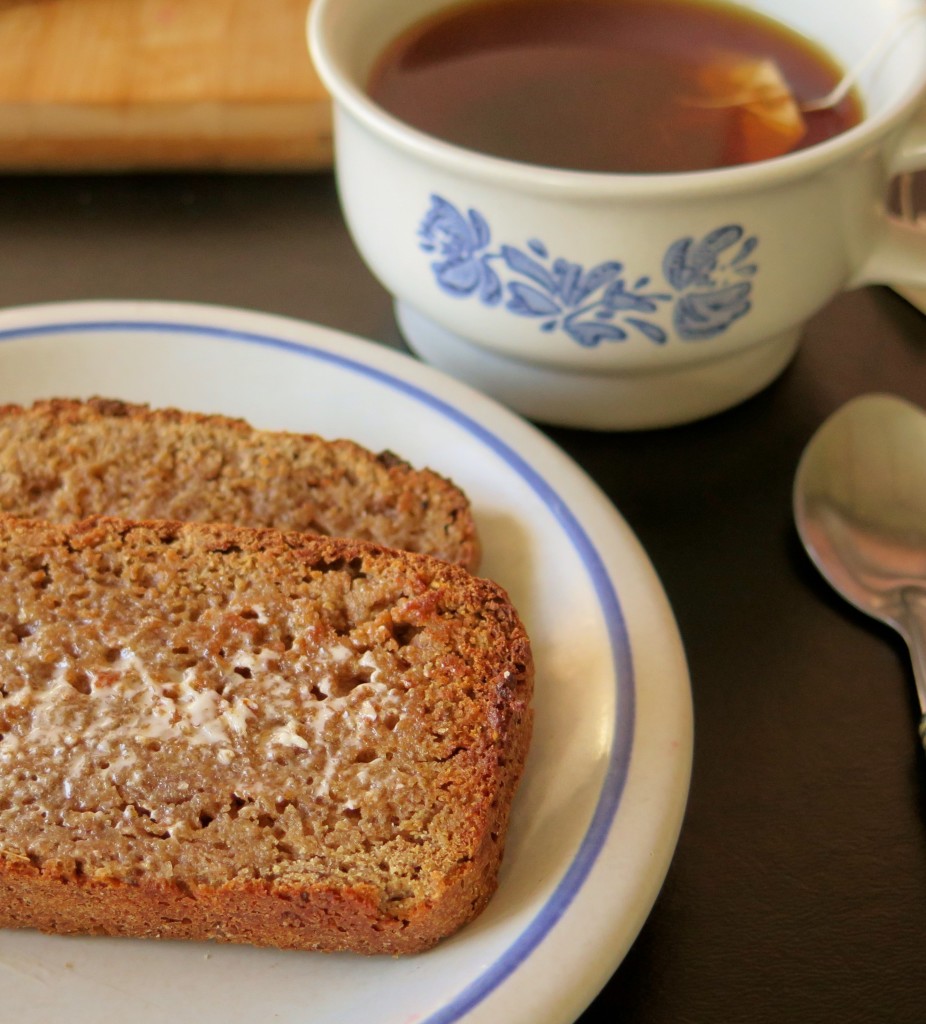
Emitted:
pixel 64 460
pixel 211 732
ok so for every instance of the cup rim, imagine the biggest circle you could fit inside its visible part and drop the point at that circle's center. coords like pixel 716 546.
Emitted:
pixel 541 179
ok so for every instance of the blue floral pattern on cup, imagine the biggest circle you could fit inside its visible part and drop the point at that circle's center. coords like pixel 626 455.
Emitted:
pixel 712 279
pixel 709 281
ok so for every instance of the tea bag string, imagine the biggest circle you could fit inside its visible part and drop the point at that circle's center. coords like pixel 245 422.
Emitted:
pixel 775 89
pixel 877 50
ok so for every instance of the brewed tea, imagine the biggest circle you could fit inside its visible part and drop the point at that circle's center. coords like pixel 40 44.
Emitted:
pixel 611 85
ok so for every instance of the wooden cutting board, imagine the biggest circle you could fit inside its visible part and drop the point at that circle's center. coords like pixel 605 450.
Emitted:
pixel 157 84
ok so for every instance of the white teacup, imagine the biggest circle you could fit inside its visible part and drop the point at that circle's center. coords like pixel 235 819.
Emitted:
pixel 719 270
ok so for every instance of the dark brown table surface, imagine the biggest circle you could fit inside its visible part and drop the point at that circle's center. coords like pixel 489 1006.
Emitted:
pixel 798 890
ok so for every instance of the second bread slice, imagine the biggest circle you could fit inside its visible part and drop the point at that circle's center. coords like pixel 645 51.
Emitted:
pixel 64 460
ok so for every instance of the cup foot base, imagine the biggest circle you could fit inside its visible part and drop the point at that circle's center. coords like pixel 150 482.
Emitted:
pixel 637 400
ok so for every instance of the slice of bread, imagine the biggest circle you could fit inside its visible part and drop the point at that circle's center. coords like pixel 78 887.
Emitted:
pixel 212 732
pixel 64 460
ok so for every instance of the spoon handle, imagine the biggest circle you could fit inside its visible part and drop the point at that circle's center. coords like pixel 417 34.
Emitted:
pixel 914 630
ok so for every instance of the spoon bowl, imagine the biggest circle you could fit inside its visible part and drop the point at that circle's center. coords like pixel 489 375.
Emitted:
pixel 860 511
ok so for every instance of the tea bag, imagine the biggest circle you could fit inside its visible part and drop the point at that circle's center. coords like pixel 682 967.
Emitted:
pixel 765 119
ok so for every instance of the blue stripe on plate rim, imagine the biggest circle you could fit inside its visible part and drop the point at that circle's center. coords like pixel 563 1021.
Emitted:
pixel 616 775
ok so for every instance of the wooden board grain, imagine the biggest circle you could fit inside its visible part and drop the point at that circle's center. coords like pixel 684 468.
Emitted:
pixel 157 84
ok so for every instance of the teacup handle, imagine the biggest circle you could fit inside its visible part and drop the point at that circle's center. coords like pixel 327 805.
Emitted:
pixel 900 255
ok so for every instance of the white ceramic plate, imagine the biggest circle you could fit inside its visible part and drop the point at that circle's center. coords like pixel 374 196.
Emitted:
pixel 597 817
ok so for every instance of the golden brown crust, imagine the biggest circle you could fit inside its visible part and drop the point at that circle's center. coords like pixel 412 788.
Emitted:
pixel 401 683
pixel 64 460
pixel 317 918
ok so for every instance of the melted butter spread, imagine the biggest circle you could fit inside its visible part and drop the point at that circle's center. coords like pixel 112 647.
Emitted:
pixel 127 706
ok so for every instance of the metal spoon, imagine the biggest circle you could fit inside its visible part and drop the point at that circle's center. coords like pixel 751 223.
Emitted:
pixel 860 510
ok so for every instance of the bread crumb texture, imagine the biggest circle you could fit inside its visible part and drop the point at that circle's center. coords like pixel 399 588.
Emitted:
pixel 237 734
pixel 64 460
